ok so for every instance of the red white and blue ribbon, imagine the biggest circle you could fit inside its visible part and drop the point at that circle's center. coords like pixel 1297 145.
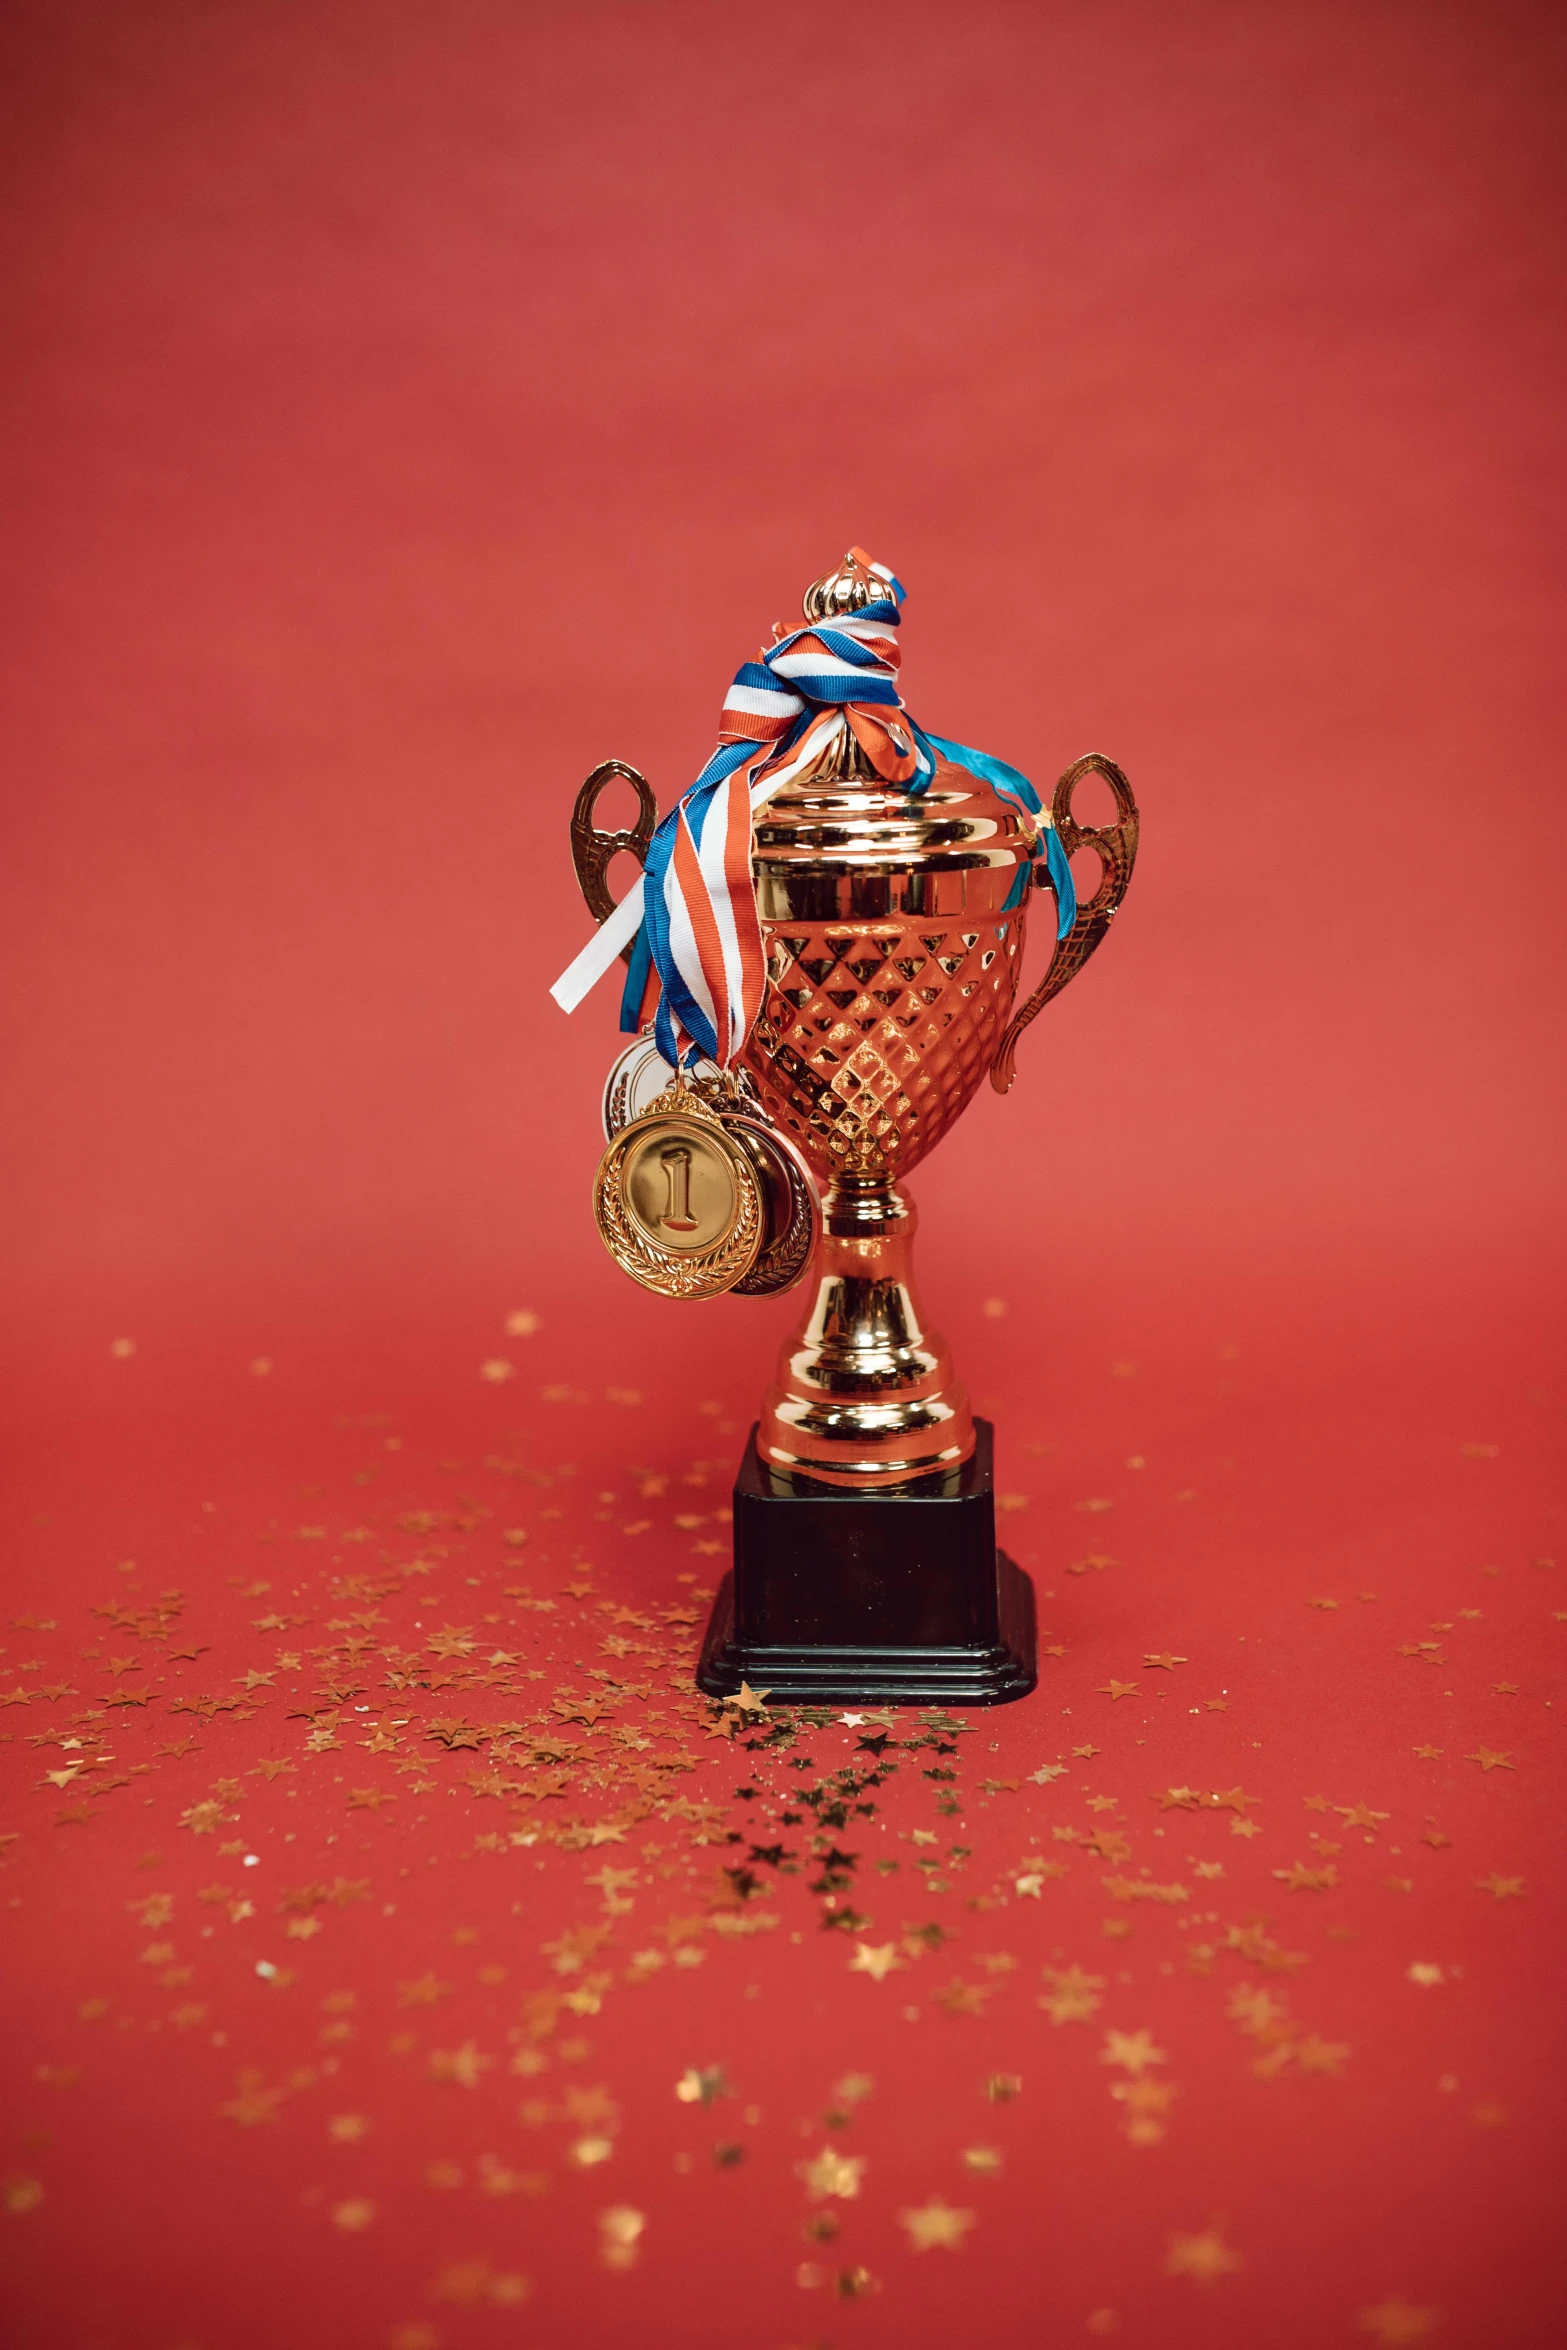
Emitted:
pixel 698 941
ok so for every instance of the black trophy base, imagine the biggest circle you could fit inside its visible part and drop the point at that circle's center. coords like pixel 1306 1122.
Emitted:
pixel 897 1597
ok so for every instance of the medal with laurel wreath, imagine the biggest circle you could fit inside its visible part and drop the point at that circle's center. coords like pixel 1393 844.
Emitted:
pixel 678 1201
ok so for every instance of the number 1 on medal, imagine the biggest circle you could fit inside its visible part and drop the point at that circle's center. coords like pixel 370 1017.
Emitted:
pixel 676 1163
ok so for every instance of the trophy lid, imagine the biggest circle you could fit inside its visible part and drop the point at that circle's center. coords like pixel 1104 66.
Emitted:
pixel 848 589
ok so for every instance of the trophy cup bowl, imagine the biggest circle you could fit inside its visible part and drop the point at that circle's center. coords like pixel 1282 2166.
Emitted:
pixel 893 931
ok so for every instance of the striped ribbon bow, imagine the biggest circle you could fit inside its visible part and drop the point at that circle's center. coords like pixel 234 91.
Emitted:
pixel 698 950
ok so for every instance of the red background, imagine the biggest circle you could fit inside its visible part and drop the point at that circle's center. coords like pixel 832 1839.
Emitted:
pixel 407 410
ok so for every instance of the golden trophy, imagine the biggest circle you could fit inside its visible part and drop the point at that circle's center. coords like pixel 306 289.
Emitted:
pixel 891 912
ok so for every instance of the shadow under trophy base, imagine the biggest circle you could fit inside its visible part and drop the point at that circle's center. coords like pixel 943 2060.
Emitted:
pixel 893 927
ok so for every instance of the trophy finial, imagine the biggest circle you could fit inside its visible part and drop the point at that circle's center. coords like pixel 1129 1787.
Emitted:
pixel 848 589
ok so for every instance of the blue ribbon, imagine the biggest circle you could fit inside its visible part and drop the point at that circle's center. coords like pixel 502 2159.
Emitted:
pixel 1014 785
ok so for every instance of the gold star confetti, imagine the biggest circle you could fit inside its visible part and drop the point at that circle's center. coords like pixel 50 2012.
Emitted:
pixel 460 2068
pixel 831 2173
pixel 1298 1878
pixel 1133 2051
pixel 702 2087
pixel 1504 1888
pixel 936 2226
pixel 874 1959
pixel 1321 2056
pixel 1490 1760
pixel 1072 1997
pixel 1202 2258
pixel 1396 2322
pixel 620 2231
pixel 1163 1662
pixel 1112 1689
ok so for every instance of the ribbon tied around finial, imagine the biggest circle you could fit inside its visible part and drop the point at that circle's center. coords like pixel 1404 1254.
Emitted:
pixel 697 964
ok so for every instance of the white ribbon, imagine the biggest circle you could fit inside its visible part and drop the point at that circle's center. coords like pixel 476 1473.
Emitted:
pixel 580 977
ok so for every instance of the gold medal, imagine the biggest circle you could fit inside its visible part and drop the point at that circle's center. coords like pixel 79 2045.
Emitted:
pixel 679 1202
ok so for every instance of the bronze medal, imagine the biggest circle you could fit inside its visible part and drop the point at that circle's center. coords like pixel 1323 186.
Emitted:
pixel 793 1205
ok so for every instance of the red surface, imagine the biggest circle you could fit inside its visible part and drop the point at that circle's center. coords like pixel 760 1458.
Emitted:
pixel 406 412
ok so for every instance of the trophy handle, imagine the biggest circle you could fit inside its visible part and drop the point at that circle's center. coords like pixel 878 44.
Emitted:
pixel 591 849
pixel 1116 847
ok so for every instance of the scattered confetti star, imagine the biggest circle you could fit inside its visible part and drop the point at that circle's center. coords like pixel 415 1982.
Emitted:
pixel 497 1370
pixel 1164 1662
pixel 1177 1799
pixel 424 1991
pixel 1504 1888
pixel 1113 1689
pixel 832 2173
pixel 1395 2323
pixel 702 2087
pixel 959 1999
pixel 1202 2258
pixel 346 2129
pixel 1425 1973
pixel 1087 1752
pixel 984 2160
pixel 936 2226
pixel 620 2233
pixel 1133 2051
pixel 875 1959
pixel 1072 1997
pixel 1360 1815
pixel 1046 1772
pixel 1504 1688
pixel 368 1798
pixel 1490 1760
pixel 462 2068
pixel 1321 2056
pixel 356 2214
pixel 1244 1828
pixel 1217 1705
pixel 252 2102
pixel 1428 1753
pixel 1297 1878
pixel 523 1324
pixel 747 1700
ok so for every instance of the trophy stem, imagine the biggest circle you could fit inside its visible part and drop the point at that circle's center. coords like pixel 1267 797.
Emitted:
pixel 864 1395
